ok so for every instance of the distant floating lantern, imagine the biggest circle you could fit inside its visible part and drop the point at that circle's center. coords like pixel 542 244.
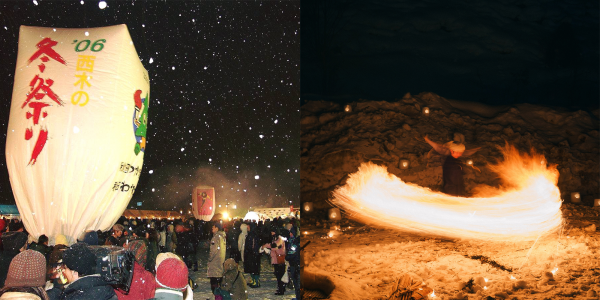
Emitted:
pixel 404 164
pixel 426 111
pixel 348 108
pixel 575 197
pixel 308 206
pixel 470 162
pixel 334 214
pixel 596 202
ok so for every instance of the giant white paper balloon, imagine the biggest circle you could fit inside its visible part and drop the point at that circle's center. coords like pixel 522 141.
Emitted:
pixel 77 128
pixel 203 202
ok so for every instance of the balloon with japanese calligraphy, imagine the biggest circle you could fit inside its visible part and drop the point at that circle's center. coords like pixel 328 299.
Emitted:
pixel 77 128
pixel 203 202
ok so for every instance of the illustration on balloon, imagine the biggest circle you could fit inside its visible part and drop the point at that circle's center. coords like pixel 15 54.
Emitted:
pixel 76 95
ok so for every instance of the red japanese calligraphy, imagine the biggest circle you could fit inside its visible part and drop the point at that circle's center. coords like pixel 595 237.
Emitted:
pixel 45 47
pixel 39 145
pixel 38 83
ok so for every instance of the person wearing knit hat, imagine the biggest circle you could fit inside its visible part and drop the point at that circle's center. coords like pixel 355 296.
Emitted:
pixel 452 167
pixel 171 278
pixel 26 277
pixel 116 239
pixel 216 255
pixel 79 267
pixel 143 284
pixel 14 242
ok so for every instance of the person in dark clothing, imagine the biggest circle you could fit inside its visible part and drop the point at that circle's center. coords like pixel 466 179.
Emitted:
pixel 232 241
pixel 185 245
pixel 292 245
pixel 42 246
pixel 452 167
pixel 252 255
pixel 116 239
pixel 14 243
pixel 84 282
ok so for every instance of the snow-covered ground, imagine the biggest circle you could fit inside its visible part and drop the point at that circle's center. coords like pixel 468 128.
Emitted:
pixel 365 262
pixel 334 142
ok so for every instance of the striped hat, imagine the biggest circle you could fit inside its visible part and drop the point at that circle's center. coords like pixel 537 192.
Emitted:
pixel 27 269
pixel 139 249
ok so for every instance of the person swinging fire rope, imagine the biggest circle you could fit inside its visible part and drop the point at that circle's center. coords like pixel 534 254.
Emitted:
pixel 452 167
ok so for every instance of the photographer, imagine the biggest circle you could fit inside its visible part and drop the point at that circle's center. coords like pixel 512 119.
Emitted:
pixel 143 284
pixel 84 283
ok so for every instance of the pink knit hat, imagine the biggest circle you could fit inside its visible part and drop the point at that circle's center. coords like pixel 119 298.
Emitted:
pixel 27 269
pixel 172 273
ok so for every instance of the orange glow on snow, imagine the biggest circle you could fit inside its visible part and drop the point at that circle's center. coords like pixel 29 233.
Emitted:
pixel 526 206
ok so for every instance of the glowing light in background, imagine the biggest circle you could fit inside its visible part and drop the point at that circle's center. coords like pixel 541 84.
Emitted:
pixel 526 206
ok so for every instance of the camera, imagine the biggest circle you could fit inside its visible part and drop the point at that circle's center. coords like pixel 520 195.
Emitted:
pixel 115 265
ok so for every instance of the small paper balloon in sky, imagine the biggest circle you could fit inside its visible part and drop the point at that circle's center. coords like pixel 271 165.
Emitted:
pixel 73 154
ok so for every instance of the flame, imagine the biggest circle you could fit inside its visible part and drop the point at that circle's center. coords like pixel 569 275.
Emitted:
pixel 526 206
pixel 554 271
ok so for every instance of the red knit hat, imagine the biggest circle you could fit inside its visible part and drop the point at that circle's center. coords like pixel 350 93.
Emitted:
pixel 27 269
pixel 172 273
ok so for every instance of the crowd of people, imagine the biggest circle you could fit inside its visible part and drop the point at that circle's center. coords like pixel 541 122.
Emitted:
pixel 166 253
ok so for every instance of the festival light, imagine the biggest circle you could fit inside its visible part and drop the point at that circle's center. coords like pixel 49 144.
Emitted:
pixel 575 197
pixel 426 111
pixel 526 206
pixel 596 202
pixel 308 206
pixel 348 108
pixel 404 164
pixel 470 162
pixel 334 214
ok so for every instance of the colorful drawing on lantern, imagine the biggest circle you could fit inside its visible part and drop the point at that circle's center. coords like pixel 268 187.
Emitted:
pixel 44 53
pixel 205 210
pixel 140 121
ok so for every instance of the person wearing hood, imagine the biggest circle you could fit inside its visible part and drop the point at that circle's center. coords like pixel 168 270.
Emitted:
pixel 242 242
pixel 252 256
pixel 79 267
pixel 143 284
pixel 216 255
pixel 452 167
pixel 26 277
pixel 14 243
pixel 233 281
pixel 277 252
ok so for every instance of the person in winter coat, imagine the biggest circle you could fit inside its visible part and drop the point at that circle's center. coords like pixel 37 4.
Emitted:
pixel 216 255
pixel 277 251
pixel 153 238
pixel 14 243
pixel 143 284
pixel 252 256
pixel 116 239
pixel 41 246
pixel 171 278
pixel 80 271
pixel 185 245
pixel 171 241
pixel 26 277
pixel 242 241
pixel 55 259
pixel 292 245
pixel 162 232
pixel 234 281
pixel 452 167
pixel 2 229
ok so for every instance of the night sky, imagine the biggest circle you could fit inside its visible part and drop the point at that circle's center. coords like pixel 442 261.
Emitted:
pixel 496 52
pixel 224 88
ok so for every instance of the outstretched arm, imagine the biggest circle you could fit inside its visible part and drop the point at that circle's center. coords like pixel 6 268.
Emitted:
pixel 470 151
pixel 437 147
